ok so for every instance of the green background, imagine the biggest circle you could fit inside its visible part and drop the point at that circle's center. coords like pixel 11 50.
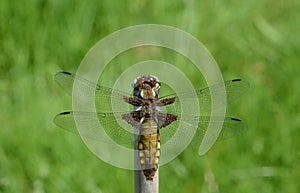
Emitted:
pixel 256 40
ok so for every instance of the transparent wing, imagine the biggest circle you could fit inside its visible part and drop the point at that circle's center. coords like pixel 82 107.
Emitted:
pixel 232 127
pixel 113 126
pixel 106 99
pixel 234 89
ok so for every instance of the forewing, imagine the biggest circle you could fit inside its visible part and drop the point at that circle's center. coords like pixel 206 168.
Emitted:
pixel 234 89
pixel 106 99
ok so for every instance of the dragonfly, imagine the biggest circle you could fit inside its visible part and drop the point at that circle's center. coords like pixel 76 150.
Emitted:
pixel 154 118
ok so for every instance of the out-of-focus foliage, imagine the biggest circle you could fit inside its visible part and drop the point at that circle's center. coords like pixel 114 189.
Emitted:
pixel 256 40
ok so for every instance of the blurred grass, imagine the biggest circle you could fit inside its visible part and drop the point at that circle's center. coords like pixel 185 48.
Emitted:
pixel 256 40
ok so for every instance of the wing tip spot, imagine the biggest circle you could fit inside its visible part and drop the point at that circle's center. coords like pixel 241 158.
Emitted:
pixel 65 113
pixel 236 119
pixel 68 73
pixel 236 80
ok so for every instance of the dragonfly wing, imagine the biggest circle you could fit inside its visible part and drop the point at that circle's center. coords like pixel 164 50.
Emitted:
pixel 234 89
pixel 106 99
pixel 232 127
pixel 113 127
pixel 193 128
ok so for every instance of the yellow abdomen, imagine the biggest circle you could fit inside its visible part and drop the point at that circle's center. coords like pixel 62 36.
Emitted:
pixel 149 147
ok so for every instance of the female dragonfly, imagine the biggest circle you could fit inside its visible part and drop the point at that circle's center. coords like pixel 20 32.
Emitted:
pixel 155 118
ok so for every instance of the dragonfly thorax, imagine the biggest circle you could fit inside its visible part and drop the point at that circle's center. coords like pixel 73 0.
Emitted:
pixel 148 109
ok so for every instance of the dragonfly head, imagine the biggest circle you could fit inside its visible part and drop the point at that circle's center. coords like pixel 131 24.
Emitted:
pixel 146 87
